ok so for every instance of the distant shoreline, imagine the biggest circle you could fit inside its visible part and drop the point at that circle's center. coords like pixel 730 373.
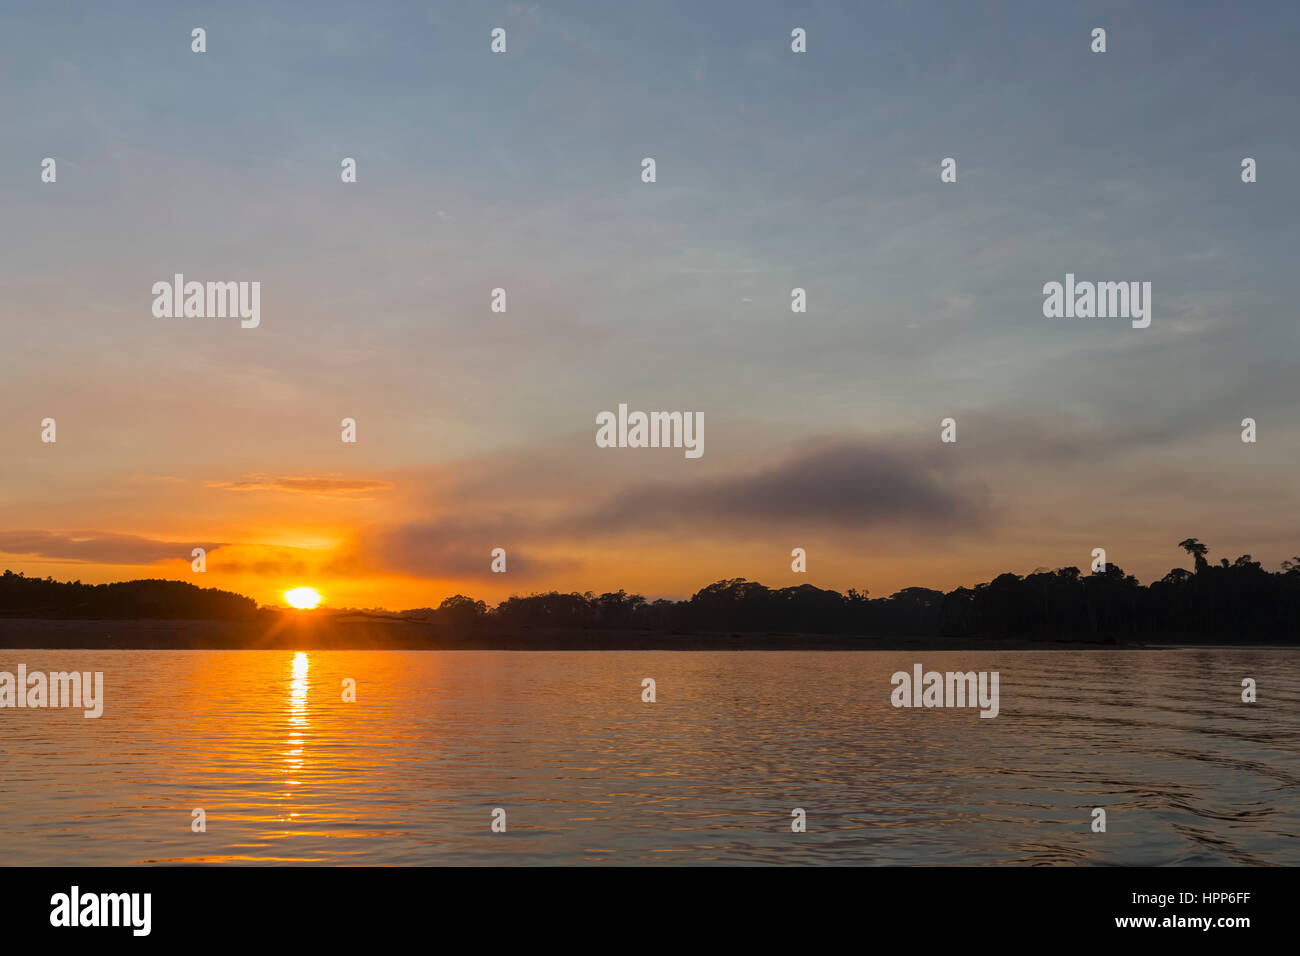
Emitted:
pixel 316 633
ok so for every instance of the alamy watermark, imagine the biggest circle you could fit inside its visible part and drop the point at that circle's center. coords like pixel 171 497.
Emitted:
pixel 82 689
pixel 211 300
pixel 103 909
pixel 953 689
pixel 1101 300
pixel 651 430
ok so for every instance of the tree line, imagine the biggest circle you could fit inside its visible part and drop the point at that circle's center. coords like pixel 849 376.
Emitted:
pixel 1228 601
pixel 21 596
pixel 1232 601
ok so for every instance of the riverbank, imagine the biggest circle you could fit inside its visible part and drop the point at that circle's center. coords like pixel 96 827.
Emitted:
pixel 317 632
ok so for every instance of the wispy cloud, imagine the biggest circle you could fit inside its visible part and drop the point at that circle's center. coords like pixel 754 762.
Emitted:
pixel 325 487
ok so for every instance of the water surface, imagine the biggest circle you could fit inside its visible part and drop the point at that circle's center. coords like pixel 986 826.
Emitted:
pixel 587 773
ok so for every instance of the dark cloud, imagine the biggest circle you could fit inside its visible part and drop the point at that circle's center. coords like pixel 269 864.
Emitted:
pixel 96 546
pixel 841 486
pixel 848 485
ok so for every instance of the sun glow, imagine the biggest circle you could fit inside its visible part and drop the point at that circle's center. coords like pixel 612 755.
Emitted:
pixel 303 598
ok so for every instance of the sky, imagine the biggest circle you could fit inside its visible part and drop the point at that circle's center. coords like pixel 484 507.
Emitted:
pixel 522 170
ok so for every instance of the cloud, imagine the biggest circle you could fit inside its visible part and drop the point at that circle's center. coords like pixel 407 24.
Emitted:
pixel 848 485
pixel 264 560
pixel 457 547
pixel 99 547
pixel 839 486
pixel 309 486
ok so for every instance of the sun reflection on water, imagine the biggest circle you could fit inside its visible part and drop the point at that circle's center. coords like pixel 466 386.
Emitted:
pixel 298 721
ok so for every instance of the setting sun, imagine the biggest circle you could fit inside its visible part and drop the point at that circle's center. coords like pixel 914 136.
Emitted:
pixel 303 598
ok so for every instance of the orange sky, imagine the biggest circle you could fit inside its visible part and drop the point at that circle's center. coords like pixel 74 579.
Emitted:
pixel 580 518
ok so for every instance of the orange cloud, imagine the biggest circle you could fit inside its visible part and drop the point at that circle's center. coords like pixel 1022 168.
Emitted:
pixel 308 486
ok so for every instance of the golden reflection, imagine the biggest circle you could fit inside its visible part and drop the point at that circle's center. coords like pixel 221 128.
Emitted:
pixel 298 721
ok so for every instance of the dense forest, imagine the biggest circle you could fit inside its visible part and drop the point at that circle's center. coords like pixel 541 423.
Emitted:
pixel 1231 600
pixel 21 596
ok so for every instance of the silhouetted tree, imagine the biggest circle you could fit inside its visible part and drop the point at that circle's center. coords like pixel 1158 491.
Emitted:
pixel 33 597
pixel 1196 550
pixel 1233 600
